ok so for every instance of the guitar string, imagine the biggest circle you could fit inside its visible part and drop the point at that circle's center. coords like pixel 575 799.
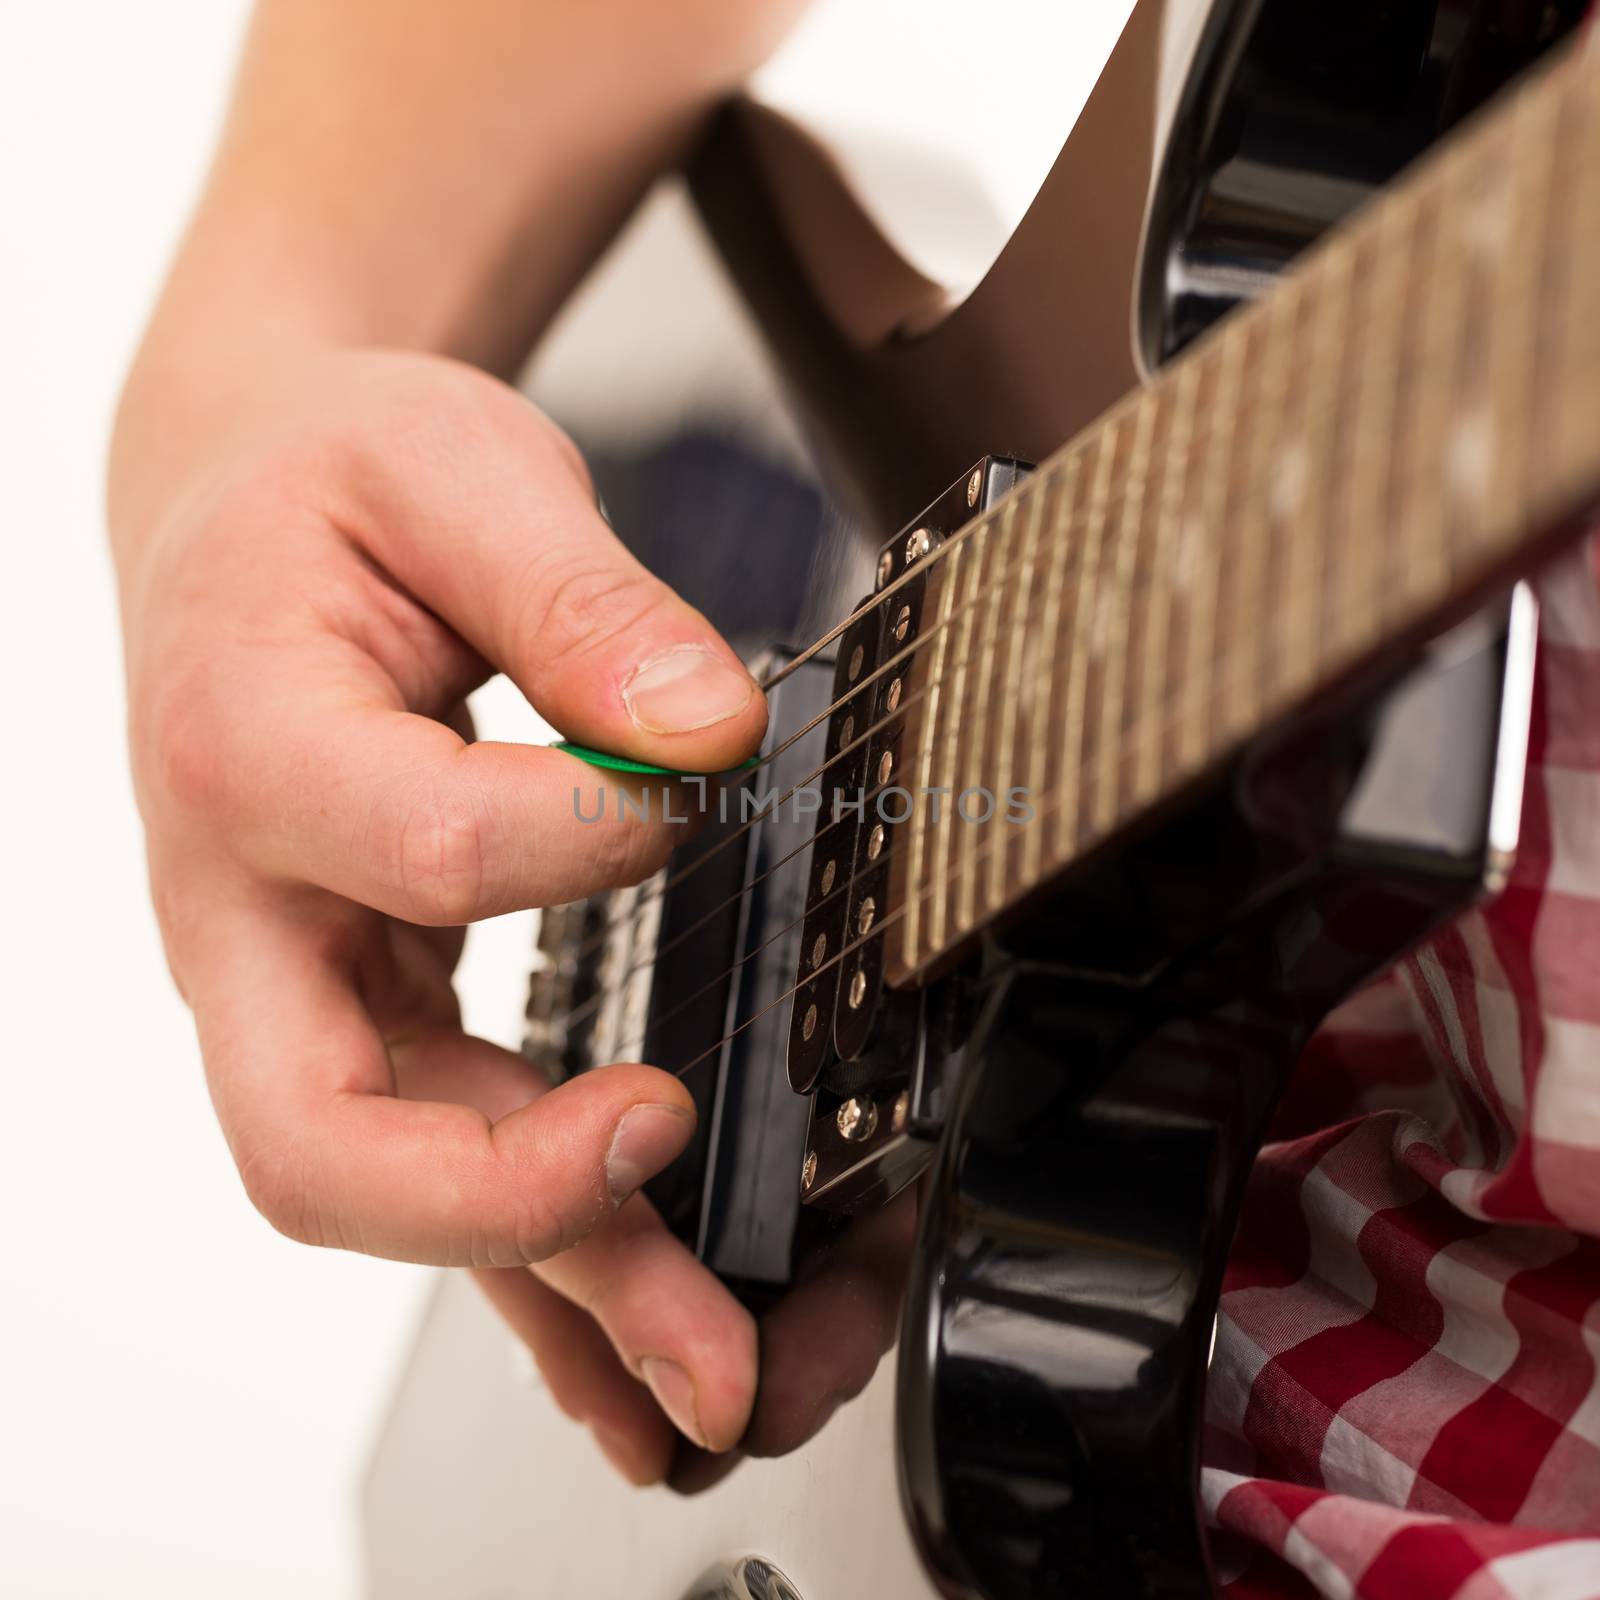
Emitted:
pixel 1071 567
pixel 596 1001
pixel 1128 749
pixel 1038 481
pixel 789 741
pixel 766 813
pixel 1107 509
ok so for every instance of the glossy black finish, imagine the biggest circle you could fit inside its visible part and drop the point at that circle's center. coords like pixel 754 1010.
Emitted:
pixel 1132 1040
pixel 1294 115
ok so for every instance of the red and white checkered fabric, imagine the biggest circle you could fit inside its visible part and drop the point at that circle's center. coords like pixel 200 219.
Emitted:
pixel 1405 1395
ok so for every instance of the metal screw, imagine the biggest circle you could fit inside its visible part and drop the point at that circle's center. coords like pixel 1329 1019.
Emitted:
pixel 892 698
pixel 875 842
pixel 858 989
pixel 827 878
pixel 902 622
pixel 867 910
pixel 808 1170
pixel 918 545
pixel 974 484
pixel 809 1026
pixel 857 656
pixel 847 732
pixel 885 567
pixel 857 1120
pixel 902 1112
pixel 819 950
pixel 885 766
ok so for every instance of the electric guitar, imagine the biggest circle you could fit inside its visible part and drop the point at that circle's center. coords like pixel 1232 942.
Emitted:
pixel 1126 768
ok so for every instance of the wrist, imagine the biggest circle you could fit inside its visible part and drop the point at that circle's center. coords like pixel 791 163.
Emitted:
pixel 182 413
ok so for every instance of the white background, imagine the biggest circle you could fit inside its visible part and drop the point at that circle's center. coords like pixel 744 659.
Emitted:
pixel 186 1399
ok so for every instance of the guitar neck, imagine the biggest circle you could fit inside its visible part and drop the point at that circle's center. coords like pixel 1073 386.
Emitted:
pixel 1409 417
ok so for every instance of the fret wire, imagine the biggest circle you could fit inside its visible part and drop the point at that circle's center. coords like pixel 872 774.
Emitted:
pixel 1019 636
pixel 1044 761
pixel 1265 430
pixel 1237 459
pixel 942 588
pixel 986 590
pixel 1109 721
pixel 1098 628
pixel 940 921
pixel 1085 601
pixel 1466 458
pixel 1577 381
pixel 1375 414
pixel 1343 425
pixel 978 722
pixel 1158 630
pixel 1202 615
pixel 1360 464
pixel 1304 509
pixel 1513 345
pixel 1423 553
pixel 1185 619
pixel 1392 497
pixel 1141 592
pixel 1547 289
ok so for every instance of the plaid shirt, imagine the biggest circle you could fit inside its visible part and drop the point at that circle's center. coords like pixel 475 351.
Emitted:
pixel 1405 1395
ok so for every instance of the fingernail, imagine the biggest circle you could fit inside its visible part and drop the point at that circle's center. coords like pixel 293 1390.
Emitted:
pixel 623 1453
pixel 674 1392
pixel 646 1139
pixel 685 688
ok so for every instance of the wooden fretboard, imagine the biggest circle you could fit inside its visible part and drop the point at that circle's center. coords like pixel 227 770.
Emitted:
pixel 1411 415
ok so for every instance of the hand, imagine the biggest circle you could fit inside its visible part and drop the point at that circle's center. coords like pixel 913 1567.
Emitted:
pixel 307 603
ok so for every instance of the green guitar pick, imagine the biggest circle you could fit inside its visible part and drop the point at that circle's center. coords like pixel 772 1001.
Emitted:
pixel 599 758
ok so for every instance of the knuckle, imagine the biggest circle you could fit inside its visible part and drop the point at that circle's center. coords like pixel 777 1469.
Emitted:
pixel 624 853
pixel 537 1229
pixel 275 1182
pixel 541 1230
pixel 439 859
pixel 581 606
pixel 182 739
pixel 530 1222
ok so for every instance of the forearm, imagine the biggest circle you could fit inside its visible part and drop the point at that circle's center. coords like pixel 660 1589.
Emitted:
pixel 428 176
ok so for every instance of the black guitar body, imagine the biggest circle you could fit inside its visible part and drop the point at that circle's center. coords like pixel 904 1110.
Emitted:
pixel 1133 1039
pixel 1087 1092
pixel 1293 116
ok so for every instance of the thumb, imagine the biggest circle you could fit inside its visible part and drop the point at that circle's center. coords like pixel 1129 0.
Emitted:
pixel 502 537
